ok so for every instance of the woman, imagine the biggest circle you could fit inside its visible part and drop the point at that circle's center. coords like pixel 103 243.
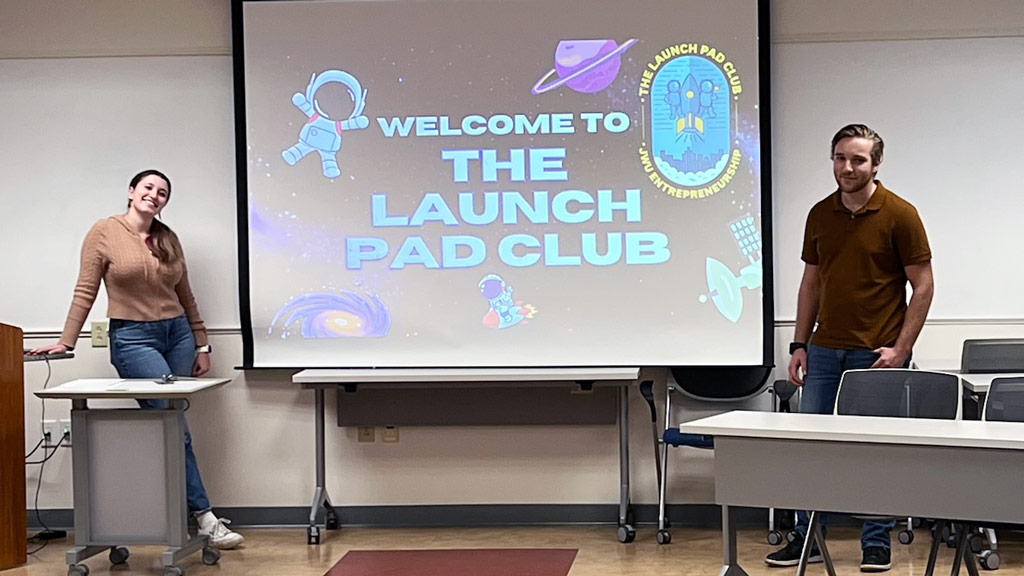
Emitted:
pixel 155 327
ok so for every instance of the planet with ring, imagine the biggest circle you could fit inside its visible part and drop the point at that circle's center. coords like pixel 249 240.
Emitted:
pixel 586 66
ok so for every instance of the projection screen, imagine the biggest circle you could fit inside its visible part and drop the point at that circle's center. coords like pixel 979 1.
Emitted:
pixel 513 183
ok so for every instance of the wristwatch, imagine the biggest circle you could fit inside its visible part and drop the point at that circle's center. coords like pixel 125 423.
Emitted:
pixel 204 348
pixel 794 346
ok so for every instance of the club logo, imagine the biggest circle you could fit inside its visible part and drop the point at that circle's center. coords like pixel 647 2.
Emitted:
pixel 689 94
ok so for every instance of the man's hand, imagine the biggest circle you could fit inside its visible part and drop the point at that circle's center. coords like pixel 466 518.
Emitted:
pixel 890 358
pixel 798 367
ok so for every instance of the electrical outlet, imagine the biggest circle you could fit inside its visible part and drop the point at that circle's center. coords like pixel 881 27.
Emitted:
pixel 64 427
pixel 100 336
pixel 389 434
pixel 366 434
pixel 51 434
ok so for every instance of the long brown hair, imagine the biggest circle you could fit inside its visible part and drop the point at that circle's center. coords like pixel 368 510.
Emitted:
pixel 165 242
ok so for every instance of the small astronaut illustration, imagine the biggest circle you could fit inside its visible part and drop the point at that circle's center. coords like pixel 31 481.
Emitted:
pixel 707 99
pixel 321 133
pixel 674 99
pixel 505 311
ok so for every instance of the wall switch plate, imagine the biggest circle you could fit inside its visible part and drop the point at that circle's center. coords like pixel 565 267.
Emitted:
pixel 389 434
pixel 100 335
pixel 64 426
pixel 366 434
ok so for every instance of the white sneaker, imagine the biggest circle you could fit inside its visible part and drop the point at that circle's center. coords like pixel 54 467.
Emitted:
pixel 222 537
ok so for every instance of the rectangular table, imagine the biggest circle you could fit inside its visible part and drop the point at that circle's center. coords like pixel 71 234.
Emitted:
pixel 854 464
pixel 128 470
pixel 976 384
pixel 321 379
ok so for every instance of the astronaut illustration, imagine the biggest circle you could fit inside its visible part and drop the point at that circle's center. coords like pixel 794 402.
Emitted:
pixel 505 311
pixel 321 133
pixel 674 99
pixel 707 99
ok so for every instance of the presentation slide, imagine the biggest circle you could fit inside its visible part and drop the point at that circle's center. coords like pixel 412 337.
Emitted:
pixel 503 183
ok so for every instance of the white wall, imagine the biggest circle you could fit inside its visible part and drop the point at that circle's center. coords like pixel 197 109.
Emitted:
pixel 254 437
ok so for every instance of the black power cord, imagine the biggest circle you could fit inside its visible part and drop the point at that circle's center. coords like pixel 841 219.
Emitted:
pixel 47 533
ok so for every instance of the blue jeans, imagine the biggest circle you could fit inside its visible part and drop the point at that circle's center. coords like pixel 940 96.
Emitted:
pixel 825 367
pixel 153 350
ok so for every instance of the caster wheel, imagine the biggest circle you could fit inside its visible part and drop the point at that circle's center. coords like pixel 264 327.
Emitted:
pixel 78 570
pixel 775 537
pixel 947 536
pixel 906 537
pixel 174 571
pixel 626 534
pixel 211 556
pixel 974 543
pixel 118 555
pixel 630 517
pixel 989 560
pixel 313 536
pixel 786 520
pixel 331 521
pixel 664 537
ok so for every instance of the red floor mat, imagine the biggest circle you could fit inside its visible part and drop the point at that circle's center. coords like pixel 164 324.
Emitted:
pixel 489 562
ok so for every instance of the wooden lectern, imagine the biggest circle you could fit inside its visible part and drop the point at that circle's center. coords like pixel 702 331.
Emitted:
pixel 13 529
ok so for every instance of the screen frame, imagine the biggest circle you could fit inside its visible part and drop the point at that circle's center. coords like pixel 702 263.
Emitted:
pixel 242 197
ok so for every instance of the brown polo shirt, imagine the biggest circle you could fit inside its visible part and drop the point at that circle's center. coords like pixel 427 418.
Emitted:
pixel 861 258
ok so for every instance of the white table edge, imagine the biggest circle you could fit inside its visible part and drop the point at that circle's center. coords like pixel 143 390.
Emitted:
pixel 367 375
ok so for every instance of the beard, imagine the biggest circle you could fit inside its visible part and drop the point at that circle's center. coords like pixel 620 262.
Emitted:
pixel 853 184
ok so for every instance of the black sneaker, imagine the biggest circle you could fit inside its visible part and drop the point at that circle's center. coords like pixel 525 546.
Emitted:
pixel 790 555
pixel 876 559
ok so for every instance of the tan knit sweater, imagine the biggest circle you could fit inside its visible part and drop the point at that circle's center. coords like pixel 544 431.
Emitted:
pixel 139 286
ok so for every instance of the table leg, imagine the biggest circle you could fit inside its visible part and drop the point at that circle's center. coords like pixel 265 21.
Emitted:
pixel 78 553
pixel 320 497
pixel 815 535
pixel 730 564
pixel 626 532
pixel 175 554
pixel 933 551
pixel 819 537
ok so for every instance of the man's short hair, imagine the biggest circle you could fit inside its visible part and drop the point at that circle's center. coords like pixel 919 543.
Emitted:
pixel 860 131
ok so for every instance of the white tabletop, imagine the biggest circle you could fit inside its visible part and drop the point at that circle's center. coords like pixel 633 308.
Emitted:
pixel 973 381
pixel 130 388
pixel 371 375
pixel 862 429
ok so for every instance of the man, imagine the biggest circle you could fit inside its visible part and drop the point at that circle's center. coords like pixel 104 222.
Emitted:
pixel 861 245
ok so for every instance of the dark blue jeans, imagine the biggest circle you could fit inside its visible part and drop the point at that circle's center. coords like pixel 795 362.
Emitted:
pixel 825 367
pixel 153 350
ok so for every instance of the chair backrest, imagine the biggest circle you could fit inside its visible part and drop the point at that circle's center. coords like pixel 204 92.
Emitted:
pixel 992 355
pixel 900 393
pixel 721 383
pixel 1005 400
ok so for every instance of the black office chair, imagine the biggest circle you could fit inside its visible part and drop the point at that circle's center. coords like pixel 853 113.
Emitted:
pixel 671 436
pixel 894 393
pixel 992 355
pixel 1004 402
pixel 748 382
pixel 781 522
pixel 900 393
pixel 987 356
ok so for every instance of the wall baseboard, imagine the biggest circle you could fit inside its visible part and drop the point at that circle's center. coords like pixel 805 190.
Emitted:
pixel 682 515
